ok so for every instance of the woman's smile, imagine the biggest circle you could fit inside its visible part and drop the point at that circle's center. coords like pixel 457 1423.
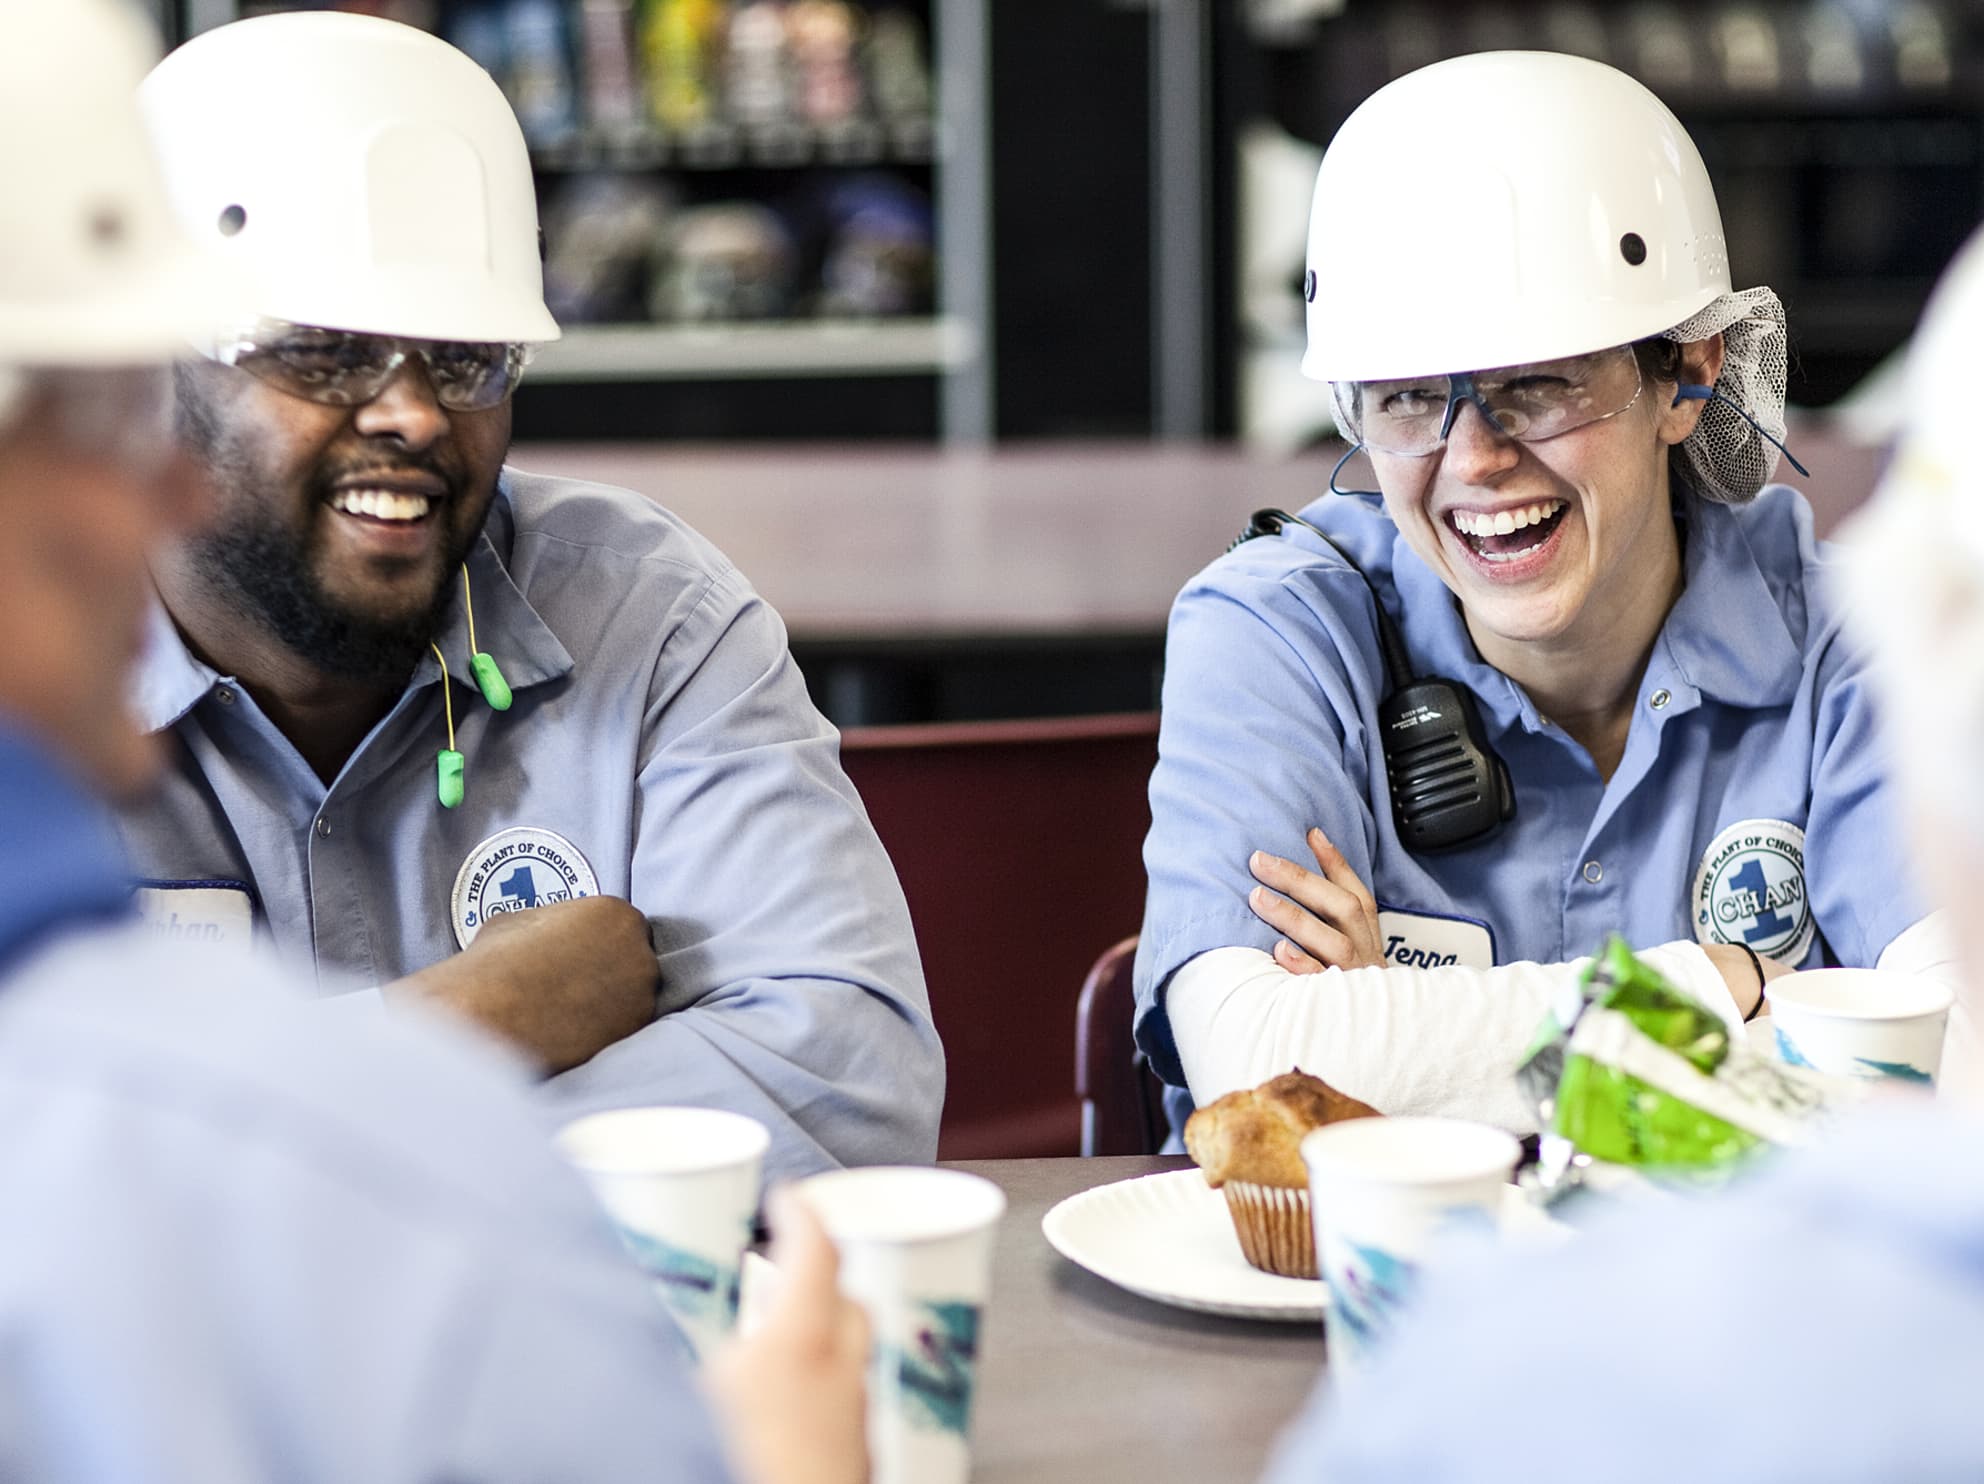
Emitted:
pixel 1505 536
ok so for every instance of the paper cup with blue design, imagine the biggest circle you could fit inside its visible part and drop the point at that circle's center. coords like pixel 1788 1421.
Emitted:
pixel 682 1186
pixel 915 1252
pixel 1386 1194
pixel 1865 1023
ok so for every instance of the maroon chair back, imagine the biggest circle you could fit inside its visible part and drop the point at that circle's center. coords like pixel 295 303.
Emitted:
pixel 1122 1099
pixel 1019 844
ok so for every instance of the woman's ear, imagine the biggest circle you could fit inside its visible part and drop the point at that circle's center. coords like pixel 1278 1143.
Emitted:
pixel 1701 364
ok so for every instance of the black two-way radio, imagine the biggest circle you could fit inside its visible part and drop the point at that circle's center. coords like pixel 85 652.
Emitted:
pixel 1448 786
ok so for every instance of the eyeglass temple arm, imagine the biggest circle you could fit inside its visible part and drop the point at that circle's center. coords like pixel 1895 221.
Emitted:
pixel 1337 468
pixel 1694 392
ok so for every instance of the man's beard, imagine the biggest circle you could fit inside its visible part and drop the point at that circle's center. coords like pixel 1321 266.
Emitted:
pixel 262 569
pixel 263 572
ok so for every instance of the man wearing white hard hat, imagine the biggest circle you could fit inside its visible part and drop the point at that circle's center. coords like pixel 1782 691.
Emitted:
pixel 1820 1322
pixel 241 1239
pixel 1567 671
pixel 435 722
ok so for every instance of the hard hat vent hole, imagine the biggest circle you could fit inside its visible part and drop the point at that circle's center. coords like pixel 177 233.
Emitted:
pixel 1309 285
pixel 1632 247
pixel 107 228
pixel 232 220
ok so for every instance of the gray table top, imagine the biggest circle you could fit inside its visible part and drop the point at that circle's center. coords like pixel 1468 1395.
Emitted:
pixel 1083 1381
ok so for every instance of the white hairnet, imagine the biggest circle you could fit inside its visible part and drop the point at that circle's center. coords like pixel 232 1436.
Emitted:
pixel 1727 459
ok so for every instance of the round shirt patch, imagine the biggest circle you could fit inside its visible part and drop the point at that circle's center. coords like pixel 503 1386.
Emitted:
pixel 1750 889
pixel 516 870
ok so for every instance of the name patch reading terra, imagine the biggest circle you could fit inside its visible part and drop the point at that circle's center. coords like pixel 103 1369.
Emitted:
pixel 1429 940
pixel 513 871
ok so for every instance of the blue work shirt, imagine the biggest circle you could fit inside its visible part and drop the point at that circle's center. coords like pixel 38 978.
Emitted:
pixel 243 1239
pixel 661 749
pixel 1754 735
pixel 1816 1324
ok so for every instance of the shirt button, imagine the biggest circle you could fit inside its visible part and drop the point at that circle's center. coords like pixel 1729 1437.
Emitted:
pixel 1593 872
pixel 1659 699
pixel 324 832
pixel 224 696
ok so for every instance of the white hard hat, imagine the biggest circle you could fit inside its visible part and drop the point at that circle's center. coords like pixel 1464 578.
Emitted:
pixel 358 173
pixel 93 271
pixel 1500 208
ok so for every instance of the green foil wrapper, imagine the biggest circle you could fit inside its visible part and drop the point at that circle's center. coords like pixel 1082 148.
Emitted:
pixel 1633 1071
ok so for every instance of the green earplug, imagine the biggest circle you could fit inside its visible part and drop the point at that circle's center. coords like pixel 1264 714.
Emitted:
pixel 495 689
pixel 448 765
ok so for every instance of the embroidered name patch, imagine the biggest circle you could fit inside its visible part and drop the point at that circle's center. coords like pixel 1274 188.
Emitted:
pixel 219 912
pixel 1750 889
pixel 514 871
pixel 1427 940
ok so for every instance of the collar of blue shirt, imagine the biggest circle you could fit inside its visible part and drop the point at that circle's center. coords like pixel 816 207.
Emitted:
pixel 171 680
pixel 1727 637
pixel 60 864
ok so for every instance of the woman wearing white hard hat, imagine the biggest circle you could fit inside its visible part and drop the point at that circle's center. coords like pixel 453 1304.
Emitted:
pixel 1856 1333
pixel 1567 671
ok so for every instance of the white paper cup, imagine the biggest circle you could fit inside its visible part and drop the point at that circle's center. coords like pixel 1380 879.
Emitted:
pixel 915 1252
pixel 1386 1192
pixel 1864 1023
pixel 681 1185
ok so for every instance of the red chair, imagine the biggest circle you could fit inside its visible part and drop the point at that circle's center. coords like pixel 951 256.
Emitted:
pixel 1018 843
pixel 1122 1098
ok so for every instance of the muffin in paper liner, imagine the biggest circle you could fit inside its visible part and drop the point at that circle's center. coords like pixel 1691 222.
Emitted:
pixel 1275 1229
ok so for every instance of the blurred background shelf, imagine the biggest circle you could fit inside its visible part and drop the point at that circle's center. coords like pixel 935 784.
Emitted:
pixel 731 147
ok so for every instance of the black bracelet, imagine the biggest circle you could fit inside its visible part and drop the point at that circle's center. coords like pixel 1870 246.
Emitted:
pixel 1757 964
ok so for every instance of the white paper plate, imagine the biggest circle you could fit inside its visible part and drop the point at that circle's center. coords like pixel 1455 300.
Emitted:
pixel 1168 1237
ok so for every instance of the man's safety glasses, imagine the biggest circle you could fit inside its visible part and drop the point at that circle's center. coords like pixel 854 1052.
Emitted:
pixel 343 368
pixel 1412 416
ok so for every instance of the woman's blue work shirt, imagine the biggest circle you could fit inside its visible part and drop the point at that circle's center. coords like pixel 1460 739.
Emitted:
pixel 1751 804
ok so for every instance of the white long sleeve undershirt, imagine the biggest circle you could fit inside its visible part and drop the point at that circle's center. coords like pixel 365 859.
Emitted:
pixel 1437 1041
pixel 1441 1041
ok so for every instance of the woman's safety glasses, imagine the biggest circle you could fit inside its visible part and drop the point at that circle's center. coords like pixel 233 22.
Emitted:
pixel 1543 399
pixel 343 368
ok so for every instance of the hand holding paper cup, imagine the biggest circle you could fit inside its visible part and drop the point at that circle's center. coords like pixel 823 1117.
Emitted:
pixel 1865 1023
pixel 1385 1192
pixel 790 1394
pixel 916 1253
pixel 681 1184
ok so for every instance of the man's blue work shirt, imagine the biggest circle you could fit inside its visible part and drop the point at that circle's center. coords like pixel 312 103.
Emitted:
pixel 1751 804
pixel 244 1239
pixel 661 749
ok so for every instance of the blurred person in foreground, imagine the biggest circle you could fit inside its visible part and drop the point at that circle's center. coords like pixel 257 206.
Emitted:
pixel 1572 417
pixel 524 747
pixel 1818 1322
pixel 241 1238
